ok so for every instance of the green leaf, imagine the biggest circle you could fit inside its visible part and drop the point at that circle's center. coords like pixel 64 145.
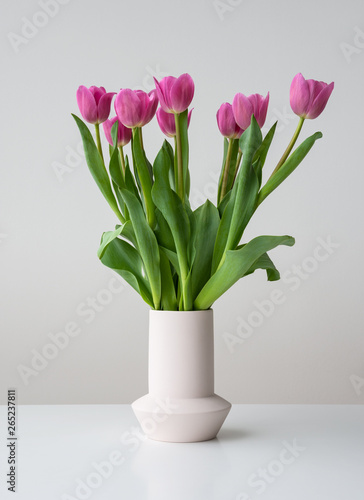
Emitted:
pixel 107 238
pixel 170 205
pixel 146 244
pixel 261 154
pixel 117 179
pixel 127 231
pixel 236 264
pixel 172 209
pixel 223 203
pixel 143 169
pixel 207 223
pixel 242 202
pixel 246 185
pixel 163 233
pixel 114 136
pixel 168 296
pixel 97 167
pixel 231 159
pixel 288 166
pixel 169 150
pixel 173 259
pixel 130 182
pixel 118 255
pixel 264 262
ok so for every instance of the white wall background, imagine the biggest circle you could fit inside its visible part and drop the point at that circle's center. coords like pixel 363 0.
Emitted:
pixel 310 349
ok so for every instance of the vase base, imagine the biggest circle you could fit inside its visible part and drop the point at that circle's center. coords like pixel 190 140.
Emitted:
pixel 181 420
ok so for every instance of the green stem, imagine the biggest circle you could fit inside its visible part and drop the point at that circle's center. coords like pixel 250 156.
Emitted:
pixel 180 181
pixel 238 161
pixel 98 140
pixel 225 176
pixel 122 160
pixel 289 147
pixel 141 137
pixel 175 165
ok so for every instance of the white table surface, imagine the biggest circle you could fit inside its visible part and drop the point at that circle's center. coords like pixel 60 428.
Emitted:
pixel 60 448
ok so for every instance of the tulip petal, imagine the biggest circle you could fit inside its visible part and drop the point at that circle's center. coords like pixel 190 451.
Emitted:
pixel 182 93
pixel 151 106
pixel 163 91
pixel 166 122
pixel 299 95
pixel 87 104
pixel 320 101
pixel 104 104
pixel 128 108
pixel 260 106
pixel 226 121
pixel 107 125
pixel 124 133
pixel 243 110
pixel 263 110
pixel 97 92
pixel 315 88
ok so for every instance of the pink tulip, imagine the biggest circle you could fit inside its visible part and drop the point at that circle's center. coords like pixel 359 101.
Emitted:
pixel 135 108
pixel 167 122
pixel 94 103
pixel 226 122
pixel 308 98
pixel 124 133
pixel 244 107
pixel 175 94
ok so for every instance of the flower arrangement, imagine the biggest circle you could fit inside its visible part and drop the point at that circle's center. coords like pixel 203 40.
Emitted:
pixel 177 258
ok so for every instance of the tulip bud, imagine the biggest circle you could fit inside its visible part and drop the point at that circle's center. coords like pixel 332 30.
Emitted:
pixel 308 98
pixel 226 122
pixel 244 107
pixel 94 103
pixel 167 122
pixel 124 133
pixel 135 108
pixel 175 94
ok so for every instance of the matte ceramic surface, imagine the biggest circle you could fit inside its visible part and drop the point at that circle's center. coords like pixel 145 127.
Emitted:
pixel 181 405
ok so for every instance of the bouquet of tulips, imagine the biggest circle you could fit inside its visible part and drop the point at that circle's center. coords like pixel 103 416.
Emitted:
pixel 177 258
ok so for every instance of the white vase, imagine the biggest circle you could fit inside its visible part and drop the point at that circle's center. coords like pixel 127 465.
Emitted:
pixel 181 405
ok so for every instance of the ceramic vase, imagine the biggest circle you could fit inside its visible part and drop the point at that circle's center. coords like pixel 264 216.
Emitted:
pixel 181 405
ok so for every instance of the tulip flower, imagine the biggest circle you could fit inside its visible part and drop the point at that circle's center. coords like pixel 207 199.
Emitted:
pixel 124 133
pixel 135 108
pixel 94 103
pixel 226 122
pixel 175 94
pixel 308 98
pixel 167 122
pixel 244 107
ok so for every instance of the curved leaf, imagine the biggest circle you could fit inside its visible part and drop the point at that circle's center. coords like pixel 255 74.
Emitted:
pixel 207 223
pixel 288 166
pixel 172 209
pixel 97 167
pixel 118 255
pixel 236 264
pixel 144 174
pixel 242 201
pixel 146 244
pixel 264 262
pixel 168 295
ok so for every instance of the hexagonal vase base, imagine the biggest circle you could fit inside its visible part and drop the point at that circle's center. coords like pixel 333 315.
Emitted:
pixel 181 420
